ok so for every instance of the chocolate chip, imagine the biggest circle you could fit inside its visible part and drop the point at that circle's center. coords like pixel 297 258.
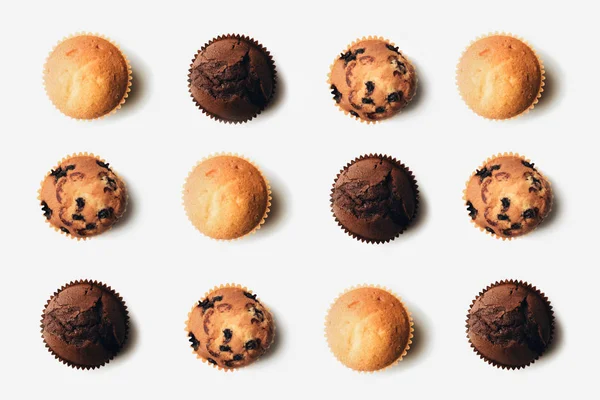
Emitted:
pixel 355 106
pixel 47 211
pixel 472 210
pixel 225 348
pixel 354 114
pixel 217 298
pixel 250 296
pixel 371 115
pixel 77 217
pixel 370 87
pixel 506 232
pixel 503 217
pixel 60 172
pixel 252 344
pixel 65 230
pixel 400 66
pixel 505 203
pixel 206 304
pixel 210 360
pixel 392 48
pixel 111 182
pixel 80 203
pixel 337 96
pixel 485 172
pixel 380 110
pixel 490 230
pixel 81 232
pixel 367 100
pixel 530 213
pixel 227 334
pixel 90 226
pixel 516 225
pixel 238 357
pixel 528 165
pixel 103 165
pixel 193 341
pixel 228 363
pixel 395 97
pixel 105 213
pixel 350 56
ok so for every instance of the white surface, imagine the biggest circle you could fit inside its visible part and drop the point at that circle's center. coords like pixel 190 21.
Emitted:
pixel 300 260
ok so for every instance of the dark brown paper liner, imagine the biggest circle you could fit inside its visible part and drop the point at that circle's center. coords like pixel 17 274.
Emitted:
pixel 397 163
pixel 247 39
pixel 542 72
pixel 104 287
pixel 410 335
pixel 269 198
pixel 348 48
pixel 530 287
pixel 129 73
pixel 489 159
pixel 245 289
pixel 83 154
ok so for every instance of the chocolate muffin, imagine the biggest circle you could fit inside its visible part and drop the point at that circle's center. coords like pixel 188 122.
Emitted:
pixel 87 77
pixel 510 324
pixel 85 324
pixel 374 198
pixel 230 328
pixel 508 196
pixel 368 329
pixel 232 78
pixel 82 196
pixel 372 80
pixel 500 77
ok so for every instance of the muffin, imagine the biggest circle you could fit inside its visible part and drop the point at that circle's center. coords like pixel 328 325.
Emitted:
pixel 82 196
pixel 510 324
pixel 508 196
pixel 500 77
pixel 226 197
pixel 374 198
pixel 368 329
pixel 85 324
pixel 232 78
pixel 372 80
pixel 87 77
pixel 230 328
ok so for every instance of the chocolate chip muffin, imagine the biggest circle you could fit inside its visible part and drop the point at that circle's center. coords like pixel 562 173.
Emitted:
pixel 508 196
pixel 230 328
pixel 368 329
pixel 87 77
pixel 510 324
pixel 85 324
pixel 372 80
pixel 500 77
pixel 374 198
pixel 232 78
pixel 82 196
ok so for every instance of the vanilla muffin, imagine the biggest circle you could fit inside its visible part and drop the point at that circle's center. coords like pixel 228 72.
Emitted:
pixel 368 329
pixel 82 196
pixel 230 328
pixel 87 77
pixel 500 77
pixel 508 196
pixel 226 197
pixel 372 80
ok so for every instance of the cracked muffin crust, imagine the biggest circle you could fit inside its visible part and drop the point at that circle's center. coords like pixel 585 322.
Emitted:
pixel 87 77
pixel 368 329
pixel 374 198
pixel 508 196
pixel 230 328
pixel 82 196
pixel 232 78
pixel 500 77
pixel 226 197
pixel 85 324
pixel 372 80
pixel 510 324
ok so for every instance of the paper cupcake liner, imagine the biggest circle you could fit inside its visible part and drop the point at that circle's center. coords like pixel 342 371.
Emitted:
pixel 245 289
pixel 247 39
pixel 129 73
pixel 108 289
pixel 542 72
pixel 329 83
pixel 269 197
pixel 489 159
pixel 83 154
pixel 530 287
pixel 397 163
pixel 410 318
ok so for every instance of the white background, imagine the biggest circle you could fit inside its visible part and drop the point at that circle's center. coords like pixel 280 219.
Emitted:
pixel 300 260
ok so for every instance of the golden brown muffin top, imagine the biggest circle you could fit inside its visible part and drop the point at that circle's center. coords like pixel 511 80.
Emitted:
pixel 372 80
pixel 226 197
pixel 508 197
pixel 368 329
pixel 82 196
pixel 499 77
pixel 86 77
pixel 230 328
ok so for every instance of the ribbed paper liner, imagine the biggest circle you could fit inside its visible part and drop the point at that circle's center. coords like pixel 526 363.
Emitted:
pixel 129 73
pixel 245 289
pixel 490 159
pixel 329 83
pixel 269 198
pixel 530 287
pixel 107 289
pixel 408 313
pixel 542 72
pixel 251 41
pixel 395 162
pixel 83 154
